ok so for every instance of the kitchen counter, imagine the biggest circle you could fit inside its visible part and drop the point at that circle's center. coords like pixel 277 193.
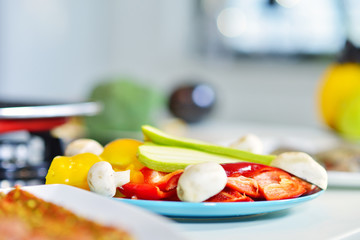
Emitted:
pixel 333 215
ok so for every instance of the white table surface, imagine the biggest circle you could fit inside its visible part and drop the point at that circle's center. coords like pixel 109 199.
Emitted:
pixel 333 215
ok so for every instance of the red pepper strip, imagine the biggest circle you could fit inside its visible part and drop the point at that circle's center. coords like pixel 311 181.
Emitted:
pixel 243 169
pixel 244 180
pixel 144 191
pixel 244 185
pixel 274 183
pixel 310 188
pixel 278 184
pixel 152 176
pixel 229 195
pixel 172 180
pixel 165 181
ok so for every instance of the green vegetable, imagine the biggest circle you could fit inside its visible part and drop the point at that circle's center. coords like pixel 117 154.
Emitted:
pixel 168 159
pixel 127 105
pixel 157 136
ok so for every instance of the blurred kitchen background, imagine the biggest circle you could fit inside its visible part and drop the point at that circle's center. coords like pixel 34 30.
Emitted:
pixel 263 59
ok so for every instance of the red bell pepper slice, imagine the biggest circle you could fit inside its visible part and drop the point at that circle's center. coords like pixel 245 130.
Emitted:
pixel 229 195
pixel 278 184
pixel 144 191
pixel 273 183
pixel 244 185
pixel 246 169
pixel 246 182
pixel 152 176
pixel 310 188
pixel 164 181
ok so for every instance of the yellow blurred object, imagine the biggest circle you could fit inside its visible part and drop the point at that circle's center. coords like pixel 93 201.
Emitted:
pixel 71 170
pixel 340 84
pixel 122 155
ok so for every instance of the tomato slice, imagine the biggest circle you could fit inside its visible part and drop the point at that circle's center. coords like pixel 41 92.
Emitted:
pixel 244 185
pixel 278 184
pixel 229 195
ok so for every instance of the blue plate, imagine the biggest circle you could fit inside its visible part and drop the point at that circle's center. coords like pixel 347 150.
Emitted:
pixel 217 210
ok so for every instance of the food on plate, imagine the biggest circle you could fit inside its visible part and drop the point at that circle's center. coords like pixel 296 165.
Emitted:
pixel 201 181
pixel 156 136
pixel 24 216
pixel 103 180
pixel 121 154
pixel 245 182
pixel 188 151
pixel 343 156
pixel 168 159
pixel 83 145
pixel 301 164
pixel 181 169
pixel 71 170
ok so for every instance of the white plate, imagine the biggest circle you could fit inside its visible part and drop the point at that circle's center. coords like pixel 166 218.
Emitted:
pixel 142 224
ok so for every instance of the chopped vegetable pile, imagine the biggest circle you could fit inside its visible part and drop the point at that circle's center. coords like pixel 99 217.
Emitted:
pixel 245 182
pixel 165 167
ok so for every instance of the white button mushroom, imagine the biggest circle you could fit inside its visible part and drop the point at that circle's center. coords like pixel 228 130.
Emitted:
pixel 103 180
pixel 250 143
pixel 303 166
pixel 83 145
pixel 201 181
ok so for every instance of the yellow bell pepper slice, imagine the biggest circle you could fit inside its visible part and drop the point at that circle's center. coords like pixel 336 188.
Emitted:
pixel 122 155
pixel 71 170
